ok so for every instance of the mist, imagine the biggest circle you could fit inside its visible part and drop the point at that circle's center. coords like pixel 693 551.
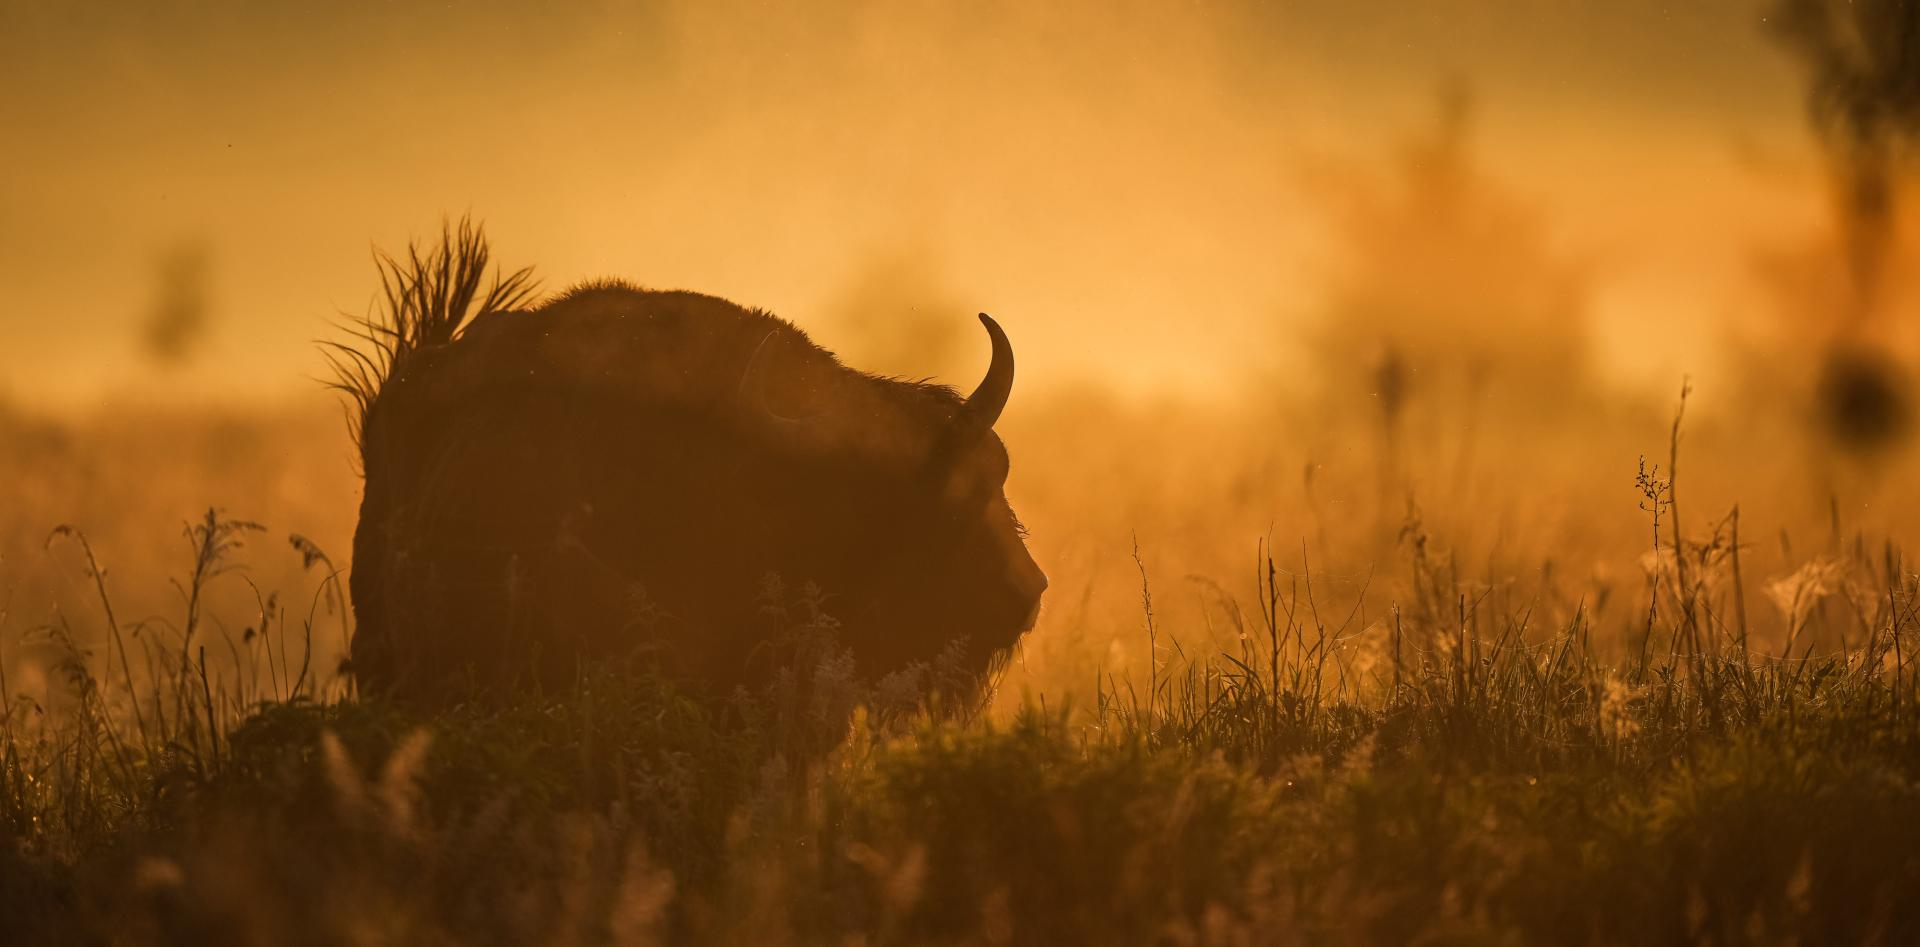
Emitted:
pixel 1135 187
pixel 1446 474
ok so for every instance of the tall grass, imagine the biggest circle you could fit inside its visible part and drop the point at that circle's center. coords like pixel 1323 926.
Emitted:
pixel 86 758
pixel 1455 769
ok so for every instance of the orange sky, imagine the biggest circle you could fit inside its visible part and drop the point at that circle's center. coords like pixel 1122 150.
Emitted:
pixel 1129 186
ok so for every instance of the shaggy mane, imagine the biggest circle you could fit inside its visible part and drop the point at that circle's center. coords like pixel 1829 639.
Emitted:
pixel 428 299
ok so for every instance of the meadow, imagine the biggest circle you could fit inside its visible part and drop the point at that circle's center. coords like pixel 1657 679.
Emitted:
pixel 1555 693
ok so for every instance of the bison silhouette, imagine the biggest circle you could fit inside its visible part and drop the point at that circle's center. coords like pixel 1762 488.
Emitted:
pixel 618 474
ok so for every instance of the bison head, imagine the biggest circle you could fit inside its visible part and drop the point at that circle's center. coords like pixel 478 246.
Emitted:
pixel 951 560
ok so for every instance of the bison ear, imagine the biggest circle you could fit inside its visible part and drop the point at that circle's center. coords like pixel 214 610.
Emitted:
pixel 804 433
pixel 983 407
pixel 753 379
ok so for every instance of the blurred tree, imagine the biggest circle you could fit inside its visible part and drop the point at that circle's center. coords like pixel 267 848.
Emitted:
pixel 1447 288
pixel 1863 97
pixel 1863 60
pixel 177 323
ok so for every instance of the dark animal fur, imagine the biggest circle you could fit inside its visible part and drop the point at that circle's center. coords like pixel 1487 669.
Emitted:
pixel 582 480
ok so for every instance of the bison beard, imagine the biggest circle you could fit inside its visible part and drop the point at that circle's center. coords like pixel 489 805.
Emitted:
pixel 615 474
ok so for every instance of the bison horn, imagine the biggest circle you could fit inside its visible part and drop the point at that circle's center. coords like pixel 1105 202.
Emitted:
pixel 983 407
